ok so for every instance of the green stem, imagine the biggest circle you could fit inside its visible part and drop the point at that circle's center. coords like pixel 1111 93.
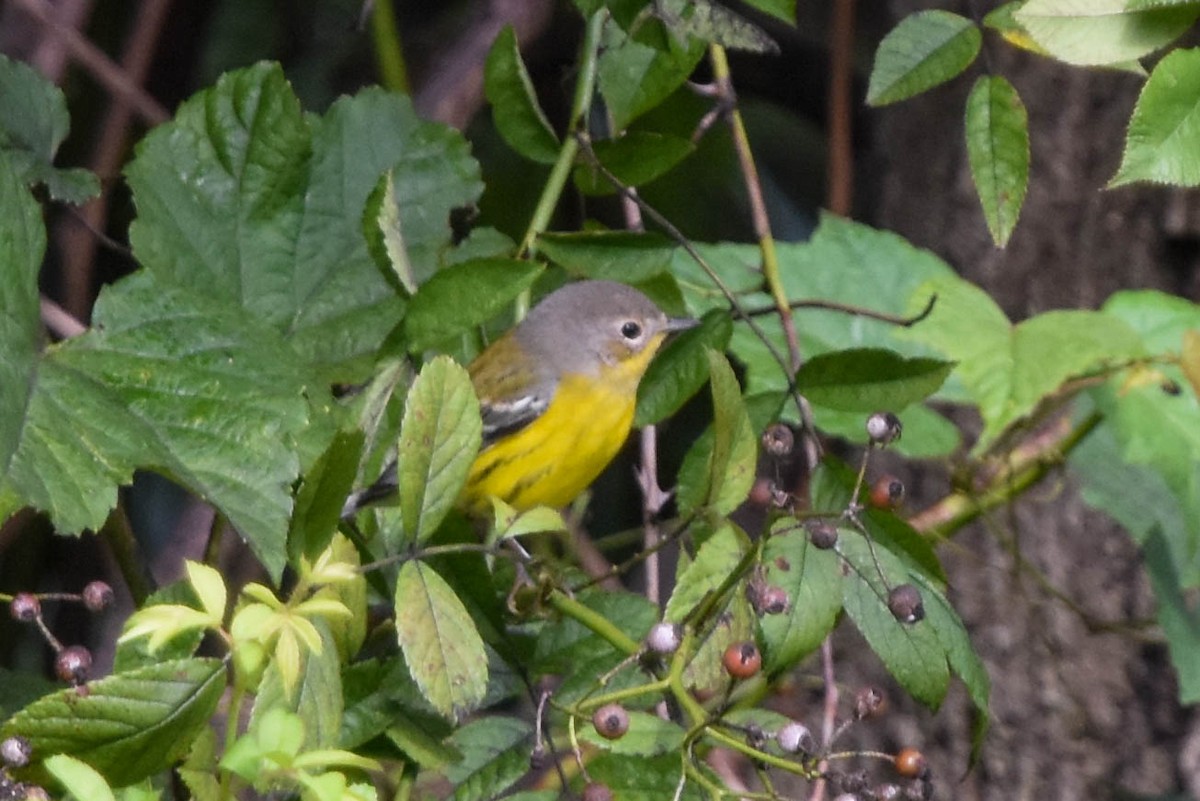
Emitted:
pixel 236 698
pixel 389 49
pixel 119 535
pixel 585 89
pixel 616 696
pixel 595 621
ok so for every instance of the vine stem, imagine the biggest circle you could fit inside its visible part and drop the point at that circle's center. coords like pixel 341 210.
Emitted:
pixel 758 205
pixel 595 621
pixel 585 89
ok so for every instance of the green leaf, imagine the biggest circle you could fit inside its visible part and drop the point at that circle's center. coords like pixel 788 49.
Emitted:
pixel 129 725
pixel 714 23
pixel 681 369
pixel 1009 369
pixel 1178 620
pixel 926 49
pixel 735 445
pixel 322 493
pixel 440 643
pixel 515 109
pixel 911 652
pixel 714 562
pixel 33 123
pixel 927 434
pixel 154 384
pixel 634 78
pixel 784 10
pixel 439 438
pixel 631 258
pixel 384 232
pixel 635 158
pixel 78 779
pixel 1101 32
pixel 1163 144
pixel 998 151
pixel 648 735
pixel 316 698
pixel 810 576
pixel 495 755
pixel 244 199
pixel 458 298
pixel 568 648
pixel 869 379
pixel 633 778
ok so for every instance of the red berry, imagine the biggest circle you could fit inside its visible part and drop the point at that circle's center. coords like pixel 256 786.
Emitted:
pixel 887 493
pixel 25 607
pixel 611 721
pixel 73 664
pixel 742 660
pixel 910 763
pixel 97 596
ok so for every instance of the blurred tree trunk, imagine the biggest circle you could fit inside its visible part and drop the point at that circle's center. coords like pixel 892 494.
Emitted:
pixel 1076 712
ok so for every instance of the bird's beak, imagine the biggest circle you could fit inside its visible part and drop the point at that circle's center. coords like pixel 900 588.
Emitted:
pixel 681 323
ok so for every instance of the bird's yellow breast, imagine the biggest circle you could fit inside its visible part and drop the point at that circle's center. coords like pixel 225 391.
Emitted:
pixel 554 458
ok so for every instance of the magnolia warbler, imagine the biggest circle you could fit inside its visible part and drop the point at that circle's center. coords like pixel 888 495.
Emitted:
pixel 557 395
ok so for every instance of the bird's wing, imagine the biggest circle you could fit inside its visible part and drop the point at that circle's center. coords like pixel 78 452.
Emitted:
pixel 502 417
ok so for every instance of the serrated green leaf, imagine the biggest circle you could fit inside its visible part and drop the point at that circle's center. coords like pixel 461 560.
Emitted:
pixel 714 23
pixel 1009 369
pixel 681 369
pixel 316 698
pixel 515 109
pixel 911 652
pixel 33 123
pixel 634 778
pixel 810 576
pixel 443 649
pixel 635 158
pixel 648 735
pixel 1163 143
pixel 631 258
pixel 244 199
pixel 870 379
pixel 1102 32
pixel 998 151
pixel 460 297
pixel 926 49
pixel 384 232
pixel 735 445
pixel 439 438
pixel 129 725
pixel 209 588
pixel 714 562
pixel 634 78
pixel 495 755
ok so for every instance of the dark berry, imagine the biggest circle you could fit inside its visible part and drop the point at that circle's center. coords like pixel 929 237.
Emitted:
pixel 822 534
pixel 742 660
pixel 905 603
pixel 594 791
pixel 778 440
pixel 611 721
pixel 25 607
pixel 73 664
pixel 773 601
pixel 97 596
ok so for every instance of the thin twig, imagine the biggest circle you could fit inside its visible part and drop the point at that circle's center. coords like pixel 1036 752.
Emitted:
pixel 858 311
pixel 59 321
pixel 107 74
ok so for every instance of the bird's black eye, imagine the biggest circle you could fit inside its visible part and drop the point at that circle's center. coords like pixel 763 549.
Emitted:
pixel 631 330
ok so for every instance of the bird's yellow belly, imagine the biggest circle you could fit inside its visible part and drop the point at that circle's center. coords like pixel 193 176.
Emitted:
pixel 556 457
